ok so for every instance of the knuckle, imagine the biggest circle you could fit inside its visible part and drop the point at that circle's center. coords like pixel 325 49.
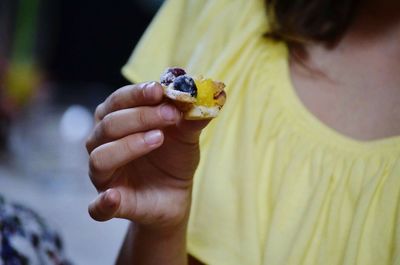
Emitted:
pixel 98 111
pixel 130 145
pixel 97 179
pixel 96 162
pixel 138 92
pixel 88 143
pixel 107 125
pixel 142 118
pixel 113 101
pixel 133 145
pixel 92 178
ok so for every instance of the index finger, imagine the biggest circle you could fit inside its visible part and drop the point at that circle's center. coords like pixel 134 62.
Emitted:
pixel 130 96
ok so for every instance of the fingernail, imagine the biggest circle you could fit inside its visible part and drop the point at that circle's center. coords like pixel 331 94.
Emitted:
pixel 153 137
pixel 168 113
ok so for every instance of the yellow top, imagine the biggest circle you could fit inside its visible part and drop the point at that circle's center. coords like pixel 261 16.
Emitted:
pixel 275 186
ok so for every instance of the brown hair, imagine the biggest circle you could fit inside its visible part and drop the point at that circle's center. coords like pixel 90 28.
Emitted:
pixel 300 21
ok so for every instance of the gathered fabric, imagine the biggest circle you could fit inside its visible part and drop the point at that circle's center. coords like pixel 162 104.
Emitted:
pixel 275 186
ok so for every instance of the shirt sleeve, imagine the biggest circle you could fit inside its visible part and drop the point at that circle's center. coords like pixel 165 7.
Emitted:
pixel 155 49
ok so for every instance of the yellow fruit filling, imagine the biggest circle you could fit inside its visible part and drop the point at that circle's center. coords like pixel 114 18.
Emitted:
pixel 205 92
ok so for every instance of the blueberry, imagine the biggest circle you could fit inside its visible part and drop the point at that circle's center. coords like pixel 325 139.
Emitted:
pixel 185 84
pixel 170 74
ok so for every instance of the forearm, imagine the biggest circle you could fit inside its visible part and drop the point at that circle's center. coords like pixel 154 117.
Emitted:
pixel 144 247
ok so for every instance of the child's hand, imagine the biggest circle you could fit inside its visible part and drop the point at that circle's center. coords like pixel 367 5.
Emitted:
pixel 142 158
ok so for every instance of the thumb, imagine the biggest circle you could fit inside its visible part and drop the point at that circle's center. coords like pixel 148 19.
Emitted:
pixel 105 206
pixel 188 131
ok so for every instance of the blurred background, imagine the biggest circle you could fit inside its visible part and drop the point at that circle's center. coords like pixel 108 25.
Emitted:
pixel 58 60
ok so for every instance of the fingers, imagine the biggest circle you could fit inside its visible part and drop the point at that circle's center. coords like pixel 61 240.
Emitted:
pixel 129 121
pixel 187 132
pixel 130 96
pixel 107 158
pixel 105 206
pixel 113 203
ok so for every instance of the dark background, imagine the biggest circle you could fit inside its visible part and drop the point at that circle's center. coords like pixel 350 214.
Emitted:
pixel 74 48
pixel 58 60
pixel 77 44
pixel 89 41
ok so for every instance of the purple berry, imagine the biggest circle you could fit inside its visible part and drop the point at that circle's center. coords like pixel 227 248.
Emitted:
pixel 177 71
pixel 170 74
pixel 185 84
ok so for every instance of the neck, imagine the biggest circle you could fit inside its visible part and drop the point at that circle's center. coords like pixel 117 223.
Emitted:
pixel 354 86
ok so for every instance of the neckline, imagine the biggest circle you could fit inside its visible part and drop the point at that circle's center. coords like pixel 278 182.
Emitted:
pixel 319 129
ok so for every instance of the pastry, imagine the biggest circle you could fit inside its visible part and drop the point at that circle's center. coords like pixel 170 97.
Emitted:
pixel 198 98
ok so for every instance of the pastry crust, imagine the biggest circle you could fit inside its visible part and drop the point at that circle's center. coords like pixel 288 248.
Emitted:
pixel 190 106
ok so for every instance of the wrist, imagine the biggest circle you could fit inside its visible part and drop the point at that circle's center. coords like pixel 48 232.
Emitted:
pixel 168 211
pixel 145 245
pixel 175 219
pixel 159 232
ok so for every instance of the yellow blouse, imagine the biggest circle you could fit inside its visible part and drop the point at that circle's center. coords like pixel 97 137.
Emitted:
pixel 275 186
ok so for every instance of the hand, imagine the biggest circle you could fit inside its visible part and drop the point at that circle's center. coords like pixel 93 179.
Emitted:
pixel 143 156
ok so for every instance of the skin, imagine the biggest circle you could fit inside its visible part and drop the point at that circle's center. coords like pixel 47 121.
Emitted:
pixel 143 155
pixel 142 160
pixel 354 87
